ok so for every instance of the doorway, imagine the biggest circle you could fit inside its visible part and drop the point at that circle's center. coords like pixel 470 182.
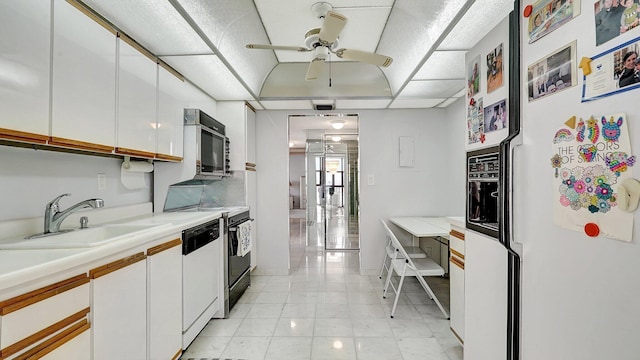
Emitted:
pixel 328 187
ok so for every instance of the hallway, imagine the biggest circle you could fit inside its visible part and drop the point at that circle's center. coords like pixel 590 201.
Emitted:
pixel 325 310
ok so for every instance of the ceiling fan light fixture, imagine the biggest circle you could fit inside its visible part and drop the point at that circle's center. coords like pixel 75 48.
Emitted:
pixel 337 124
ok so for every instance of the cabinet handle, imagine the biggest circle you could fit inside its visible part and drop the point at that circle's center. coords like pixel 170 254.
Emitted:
pixel 177 355
pixel 44 333
pixel 454 252
pixel 21 301
pixel 162 247
pixel 116 265
pixel 168 157
pixel 457 262
pixel 75 144
pixel 56 341
pixel 136 153
pixel 457 234
pixel 23 136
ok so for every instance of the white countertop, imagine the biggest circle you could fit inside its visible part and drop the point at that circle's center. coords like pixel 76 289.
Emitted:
pixel 422 226
pixel 21 266
pixel 457 221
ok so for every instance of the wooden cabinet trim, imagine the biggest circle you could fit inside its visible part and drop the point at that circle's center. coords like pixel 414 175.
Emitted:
pixel 168 157
pixel 457 234
pixel 177 355
pixel 23 136
pixel 250 106
pixel 456 253
pixel 116 265
pixel 137 46
pixel 248 164
pixel 57 141
pixel 250 169
pixel 21 301
pixel 46 332
pixel 171 70
pixel 457 262
pixel 456 334
pixel 137 153
pixel 93 16
pixel 162 247
pixel 56 341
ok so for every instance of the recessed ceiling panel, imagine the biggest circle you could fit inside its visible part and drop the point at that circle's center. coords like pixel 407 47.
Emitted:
pixel 443 65
pixel 448 102
pixel 210 74
pixel 476 23
pixel 230 25
pixel 414 103
pixel 432 88
pixel 345 79
pixel 413 29
pixel 156 25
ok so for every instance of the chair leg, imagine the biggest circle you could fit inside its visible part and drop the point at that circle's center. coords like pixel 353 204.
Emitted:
pixel 426 287
pixel 386 283
pixel 384 263
pixel 395 302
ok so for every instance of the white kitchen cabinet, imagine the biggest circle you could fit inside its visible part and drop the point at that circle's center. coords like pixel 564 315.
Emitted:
pixel 456 281
pixel 49 320
pixel 84 81
pixel 171 104
pixel 119 309
pixel 25 55
pixel 250 141
pixel 137 101
pixel 164 276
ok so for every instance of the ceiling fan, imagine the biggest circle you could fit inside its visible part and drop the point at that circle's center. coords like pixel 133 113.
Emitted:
pixel 324 40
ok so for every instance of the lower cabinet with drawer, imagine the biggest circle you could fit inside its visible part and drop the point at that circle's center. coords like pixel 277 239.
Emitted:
pixel 456 282
pixel 119 309
pixel 47 323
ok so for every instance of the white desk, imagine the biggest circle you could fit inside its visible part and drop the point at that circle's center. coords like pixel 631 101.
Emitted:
pixel 427 227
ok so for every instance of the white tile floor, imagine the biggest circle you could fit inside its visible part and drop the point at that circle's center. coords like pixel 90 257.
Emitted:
pixel 326 310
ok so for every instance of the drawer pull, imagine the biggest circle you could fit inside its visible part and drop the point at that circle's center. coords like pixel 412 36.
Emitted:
pixel 454 252
pixel 56 341
pixel 162 247
pixel 32 297
pixel 457 262
pixel 457 234
pixel 116 265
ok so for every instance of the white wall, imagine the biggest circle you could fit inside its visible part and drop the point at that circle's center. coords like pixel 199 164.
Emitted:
pixel 296 169
pixel 29 179
pixel 434 186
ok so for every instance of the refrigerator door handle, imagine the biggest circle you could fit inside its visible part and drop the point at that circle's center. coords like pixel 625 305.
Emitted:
pixel 515 143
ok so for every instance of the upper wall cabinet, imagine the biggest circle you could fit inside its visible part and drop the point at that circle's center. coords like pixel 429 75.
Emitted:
pixel 171 104
pixel 24 60
pixel 137 101
pixel 84 81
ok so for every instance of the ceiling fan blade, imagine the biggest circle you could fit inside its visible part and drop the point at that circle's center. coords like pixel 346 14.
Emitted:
pixel 365 57
pixel 277 47
pixel 314 69
pixel 332 26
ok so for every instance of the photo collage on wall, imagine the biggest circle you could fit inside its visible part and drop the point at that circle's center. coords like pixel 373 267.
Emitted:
pixel 548 15
pixel 591 159
pixel 481 120
pixel 552 74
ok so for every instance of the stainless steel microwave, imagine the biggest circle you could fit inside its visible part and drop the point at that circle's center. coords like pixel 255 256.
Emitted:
pixel 212 146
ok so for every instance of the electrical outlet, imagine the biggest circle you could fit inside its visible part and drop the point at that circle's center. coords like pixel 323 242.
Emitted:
pixel 370 180
pixel 102 182
pixel 428 251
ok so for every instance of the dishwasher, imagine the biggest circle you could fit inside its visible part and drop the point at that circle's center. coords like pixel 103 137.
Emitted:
pixel 201 247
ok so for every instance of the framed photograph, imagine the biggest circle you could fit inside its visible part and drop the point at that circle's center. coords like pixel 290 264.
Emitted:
pixel 553 73
pixel 613 71
pixel 494 69
pixel 495 116
pixel 548 15
pixel 473 77
pixel 614 17
pixel 475 122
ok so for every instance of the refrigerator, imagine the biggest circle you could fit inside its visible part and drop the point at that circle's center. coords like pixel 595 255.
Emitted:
pixel 560 281
pixel 580 253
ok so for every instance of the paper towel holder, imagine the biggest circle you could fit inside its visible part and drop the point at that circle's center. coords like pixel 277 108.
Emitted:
pixel 127 162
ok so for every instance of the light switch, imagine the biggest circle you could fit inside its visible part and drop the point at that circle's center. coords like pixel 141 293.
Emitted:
pixel 370 180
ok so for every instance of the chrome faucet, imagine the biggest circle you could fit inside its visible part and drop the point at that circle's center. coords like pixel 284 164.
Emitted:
pixel 53 217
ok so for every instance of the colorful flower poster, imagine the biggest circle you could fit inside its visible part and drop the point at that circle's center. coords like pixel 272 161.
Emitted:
pixel 591 158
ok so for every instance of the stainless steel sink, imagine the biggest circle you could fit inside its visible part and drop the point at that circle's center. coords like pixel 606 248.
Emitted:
pixel 81 238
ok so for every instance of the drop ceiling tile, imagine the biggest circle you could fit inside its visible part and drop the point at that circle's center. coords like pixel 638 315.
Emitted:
pixel 362 104
pixel 480 18
pixel 156 25
pixel 432 88
pixel 287 105
pixel 414 103
pixel 210 74
pixel 443 65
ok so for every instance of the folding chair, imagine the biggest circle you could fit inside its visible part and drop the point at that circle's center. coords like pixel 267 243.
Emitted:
pixel 404 265
pixel 415 252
